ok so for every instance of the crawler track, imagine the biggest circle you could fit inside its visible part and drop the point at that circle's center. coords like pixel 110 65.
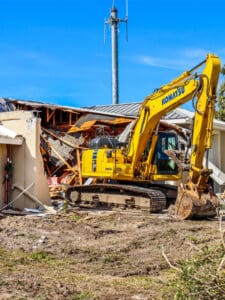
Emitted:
pixel 124 196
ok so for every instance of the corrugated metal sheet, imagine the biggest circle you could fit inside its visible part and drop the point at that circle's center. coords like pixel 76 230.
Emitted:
pixel 127 109
pixel 175 114
pixel 132 109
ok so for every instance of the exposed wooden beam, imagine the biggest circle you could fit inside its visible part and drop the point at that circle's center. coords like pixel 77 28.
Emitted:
pixel 49 116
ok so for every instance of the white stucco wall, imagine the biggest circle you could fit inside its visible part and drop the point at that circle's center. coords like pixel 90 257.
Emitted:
pixel 3 158
pixel 27 160
pixel 214 153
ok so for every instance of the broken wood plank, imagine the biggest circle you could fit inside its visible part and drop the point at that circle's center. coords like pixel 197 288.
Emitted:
pixel 79 166
pixel 62 159
pixel 62 140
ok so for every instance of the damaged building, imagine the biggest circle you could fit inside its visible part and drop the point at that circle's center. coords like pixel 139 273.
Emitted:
pixel 41 146
pixel 52 139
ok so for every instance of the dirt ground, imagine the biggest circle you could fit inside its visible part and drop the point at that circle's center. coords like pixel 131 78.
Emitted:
pixel 95 254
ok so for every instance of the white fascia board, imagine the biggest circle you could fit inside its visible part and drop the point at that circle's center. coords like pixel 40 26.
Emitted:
pixel 217 174
pixel 178 121
pixel 220 125
pixel 11 141
pixel 4 131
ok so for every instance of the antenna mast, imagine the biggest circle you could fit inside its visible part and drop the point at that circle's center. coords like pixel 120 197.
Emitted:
pixel 113 21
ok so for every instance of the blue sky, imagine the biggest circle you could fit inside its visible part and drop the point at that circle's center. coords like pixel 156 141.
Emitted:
pixel 53 51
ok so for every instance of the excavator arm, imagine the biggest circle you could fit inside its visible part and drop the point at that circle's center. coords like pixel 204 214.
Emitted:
pixel 203 121
pixel 167 98
pixel 195 197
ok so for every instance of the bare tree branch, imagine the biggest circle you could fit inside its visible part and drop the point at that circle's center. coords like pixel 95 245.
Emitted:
pixel 169 263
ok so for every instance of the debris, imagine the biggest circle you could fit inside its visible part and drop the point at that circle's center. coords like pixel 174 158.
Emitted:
pixel 57 191
pixel 89 181
pixel 42 240
pixel 32 197
pixel 35 212
pixel 31 210
pixel 12 212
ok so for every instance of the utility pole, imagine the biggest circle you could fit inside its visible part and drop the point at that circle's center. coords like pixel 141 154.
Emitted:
pixel 113 21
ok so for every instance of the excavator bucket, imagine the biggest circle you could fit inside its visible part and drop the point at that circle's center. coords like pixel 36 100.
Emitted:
pixel 190 204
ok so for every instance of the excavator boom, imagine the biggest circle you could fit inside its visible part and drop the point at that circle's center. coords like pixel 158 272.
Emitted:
pixel 195 198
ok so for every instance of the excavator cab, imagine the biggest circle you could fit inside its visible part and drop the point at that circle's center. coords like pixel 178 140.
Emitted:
pixel 164 163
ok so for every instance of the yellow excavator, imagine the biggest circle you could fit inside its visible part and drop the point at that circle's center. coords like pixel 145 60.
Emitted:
pixel 133 174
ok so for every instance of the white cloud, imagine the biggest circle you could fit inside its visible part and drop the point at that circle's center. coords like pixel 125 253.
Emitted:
pixel 161 62
pixel 177 60
pixel 193 53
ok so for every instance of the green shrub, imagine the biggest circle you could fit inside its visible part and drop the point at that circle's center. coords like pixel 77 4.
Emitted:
pixel 41 256
pixel 199 278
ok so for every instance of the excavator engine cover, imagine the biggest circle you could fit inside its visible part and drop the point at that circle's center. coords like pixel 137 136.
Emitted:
pixel 190 204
